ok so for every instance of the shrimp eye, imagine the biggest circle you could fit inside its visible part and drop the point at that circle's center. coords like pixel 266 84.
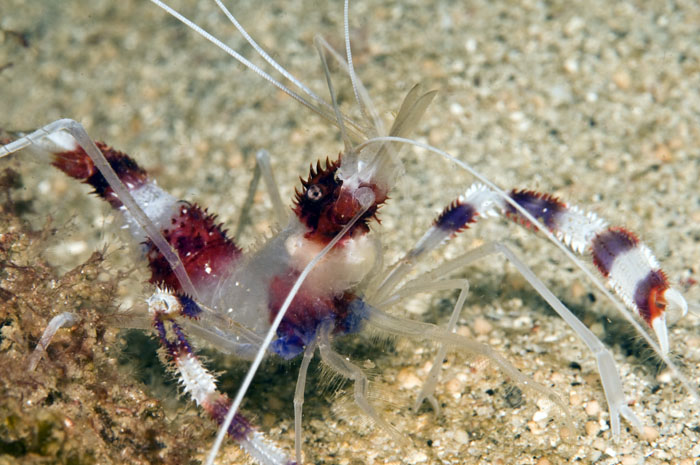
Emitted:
pixel 314 193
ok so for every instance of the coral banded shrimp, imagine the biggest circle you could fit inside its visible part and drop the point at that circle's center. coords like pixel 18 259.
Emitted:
pixel 555 173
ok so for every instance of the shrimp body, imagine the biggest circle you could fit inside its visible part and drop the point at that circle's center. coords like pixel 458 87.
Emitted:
pixel 249 288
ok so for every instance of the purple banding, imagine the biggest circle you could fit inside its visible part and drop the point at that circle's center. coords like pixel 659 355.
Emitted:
pixel 608 245
pixel 456 217
pixel 174 348
pixel 183 343
pixel 171 347
pixel 543 207
pixel 239 429
pixel 190 308
pixel 160 327
pixel 655 281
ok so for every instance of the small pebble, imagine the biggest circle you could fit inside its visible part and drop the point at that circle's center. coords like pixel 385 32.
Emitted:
pixel 407 379
pixel 543 461
pixel 571 65
pixel 577 290
pixel 417 457
pixel 461 437
pixel 592 428
pixel 464 331
pixel 650 434
pixel 565 433
pixel 622 79
pixel 453 386
pixel 593 408
pixel 481 326
pixel 600 444
pixel 534 427
pixel 574 399
pixel 663 153
pixel 665 377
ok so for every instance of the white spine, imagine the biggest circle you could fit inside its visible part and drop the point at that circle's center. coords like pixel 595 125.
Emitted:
pixel 577 228
pixel 195 379
pixel 485 201
pixel 261 450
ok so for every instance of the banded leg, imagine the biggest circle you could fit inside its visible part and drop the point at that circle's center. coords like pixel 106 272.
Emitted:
pixel 79 156
pixel 632 270
pixel 198 382
pixel 630 267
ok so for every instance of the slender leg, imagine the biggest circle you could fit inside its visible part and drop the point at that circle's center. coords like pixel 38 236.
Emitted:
pixel 281 212
pixel 418 286
pixel 361 384
pixel 431 381
pixel 415 287
pixel 610 378
pixel 612 385
pixel 299 397
pixel 426 331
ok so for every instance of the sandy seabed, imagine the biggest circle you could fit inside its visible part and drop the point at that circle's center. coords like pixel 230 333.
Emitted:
pixel 595 102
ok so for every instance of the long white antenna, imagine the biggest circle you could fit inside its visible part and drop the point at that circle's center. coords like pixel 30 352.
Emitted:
pixel 261 51
pixel 355 128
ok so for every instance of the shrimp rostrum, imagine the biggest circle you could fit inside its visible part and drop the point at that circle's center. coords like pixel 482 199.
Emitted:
pixel 322 275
